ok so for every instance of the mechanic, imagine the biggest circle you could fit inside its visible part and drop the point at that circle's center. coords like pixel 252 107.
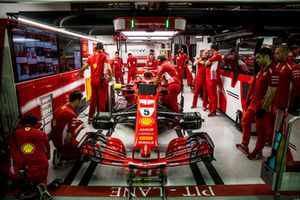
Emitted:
pixel 289 85
pixel 294 52
pixel 117 68
pixel 200 80
pixel 30 151
pixel 180 60
pixel 150 52
pixel 100 76
pixel 212 69
pixel 131 64
pixel 151 62
pixel 260 108
pixel 169 73
pixel 65 128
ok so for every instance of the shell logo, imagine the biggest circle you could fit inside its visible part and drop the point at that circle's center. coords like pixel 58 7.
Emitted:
pixel 95 66
pixel 28 148
pixel 27 129
pixel 146 121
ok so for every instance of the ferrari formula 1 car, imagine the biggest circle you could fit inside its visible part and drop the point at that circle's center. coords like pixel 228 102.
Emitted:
pixel 147 115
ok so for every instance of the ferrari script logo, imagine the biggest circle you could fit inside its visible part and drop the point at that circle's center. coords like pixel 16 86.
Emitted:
pixel 146 121
pixel 28 148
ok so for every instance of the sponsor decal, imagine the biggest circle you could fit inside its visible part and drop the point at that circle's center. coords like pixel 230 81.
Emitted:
pixel 28 148
pixel 27 129
pixel 95 65
pixel 146 129
pixel 145 142
pixel 146 121
pixel 145 138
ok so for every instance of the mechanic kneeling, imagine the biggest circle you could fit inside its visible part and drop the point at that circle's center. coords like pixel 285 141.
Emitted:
pixel 169 73
pixel 65 128
pixel 29 154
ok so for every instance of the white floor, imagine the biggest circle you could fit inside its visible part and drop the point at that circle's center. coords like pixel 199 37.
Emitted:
pixel 232 165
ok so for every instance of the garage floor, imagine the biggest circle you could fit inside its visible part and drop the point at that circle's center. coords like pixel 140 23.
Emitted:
pixel 231 176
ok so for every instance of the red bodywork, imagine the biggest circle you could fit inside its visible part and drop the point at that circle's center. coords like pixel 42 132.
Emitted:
pixel 145 151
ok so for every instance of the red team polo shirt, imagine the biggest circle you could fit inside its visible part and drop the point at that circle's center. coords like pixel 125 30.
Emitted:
pixel 289 71
pixel 200 69
pixel 35 149
pixel 180 60
pixel 117 64
pixel 267 77
pixel 169 72
pixel 132 61
pixel 212 70
pixel 152 64
pixel 64 121
pixel 97 64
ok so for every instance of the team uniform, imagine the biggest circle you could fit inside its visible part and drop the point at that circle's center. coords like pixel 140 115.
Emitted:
pixel 132 62
pixel 267 77
pixel 211 75
pixel 289 74
pixel 31 145
pixel 200 84
pixel 64 123
pixel 168 71
pixel 180 60
pixel 99 83
pixel 152 64
pixel 116 65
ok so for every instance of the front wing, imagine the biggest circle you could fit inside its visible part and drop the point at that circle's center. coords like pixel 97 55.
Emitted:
pixel 97 147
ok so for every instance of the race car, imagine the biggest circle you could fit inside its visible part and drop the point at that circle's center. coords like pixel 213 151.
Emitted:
pixel 147 114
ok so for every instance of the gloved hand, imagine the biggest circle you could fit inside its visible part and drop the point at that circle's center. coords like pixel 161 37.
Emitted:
pixel 260 113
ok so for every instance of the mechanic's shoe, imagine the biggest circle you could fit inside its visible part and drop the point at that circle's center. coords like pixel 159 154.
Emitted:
pixel 90 120
pixel 44 194
pixel 56 161
pixel 213 113
pixel 194 106
pixel 242 148
pixel 256 154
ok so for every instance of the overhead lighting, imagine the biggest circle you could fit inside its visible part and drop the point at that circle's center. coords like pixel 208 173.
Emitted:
pixel 149 34
pixel 52 28
pixel 147 38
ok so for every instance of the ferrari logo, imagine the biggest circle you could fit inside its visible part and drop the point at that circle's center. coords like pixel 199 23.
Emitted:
pixel 28 148
pixel 95 65
pixel 133 63
pixel 264 73
pixel 64 107
pixel 27 129
pixel 146 121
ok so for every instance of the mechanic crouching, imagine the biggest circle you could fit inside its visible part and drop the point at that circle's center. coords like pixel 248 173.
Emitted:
pixel 65 128
pixel 28 163
pixel 170 75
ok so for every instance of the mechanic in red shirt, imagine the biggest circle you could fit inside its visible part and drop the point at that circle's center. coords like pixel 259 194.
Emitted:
pixel 211 74
pixel 180 60
pixel 151 62
pixel 100 76
pixel 200 83
pixel 117 68
pixel 169 73
pixel 150 52
pixel 131 63
pixel 65 128
pixel 289 84
pixel 29 149
pixel 260 108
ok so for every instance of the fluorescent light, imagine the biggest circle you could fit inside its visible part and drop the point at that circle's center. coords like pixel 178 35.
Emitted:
pixel 137 38
pixel 149 34
pixel 52 28
pixel 147 38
